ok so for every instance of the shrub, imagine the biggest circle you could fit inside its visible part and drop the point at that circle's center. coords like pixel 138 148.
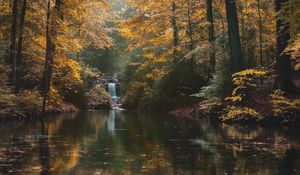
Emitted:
pixel 282 104
pixel 21 105
pixel 98 98
pixel 30 102
pixel 244 82
pixel 221 82
pixel 240 113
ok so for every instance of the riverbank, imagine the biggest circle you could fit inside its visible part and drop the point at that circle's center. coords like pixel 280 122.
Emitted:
pixel 28 104
pixel 26 112
pixel 250 102
pixel 268 111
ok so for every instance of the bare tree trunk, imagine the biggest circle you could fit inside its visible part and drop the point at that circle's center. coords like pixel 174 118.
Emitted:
pixel 244 37
pixel 234 36
pixel 190 33
pixel 175 28
pixel 211 35
pixel 283 60
pixel 13 42
pixel 20 46
pixel 45 79
pixel 260 34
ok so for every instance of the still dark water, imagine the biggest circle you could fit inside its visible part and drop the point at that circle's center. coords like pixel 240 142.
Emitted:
pixel 105 142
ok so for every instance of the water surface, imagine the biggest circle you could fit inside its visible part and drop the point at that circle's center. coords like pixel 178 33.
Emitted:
pixel 107 142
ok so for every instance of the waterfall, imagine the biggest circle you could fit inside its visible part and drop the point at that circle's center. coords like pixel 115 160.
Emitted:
pixel 112 89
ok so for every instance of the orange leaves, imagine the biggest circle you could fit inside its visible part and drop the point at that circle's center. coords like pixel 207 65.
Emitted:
pixel 5 8
pixel 290 13
pixel 155 74
pixel 67 73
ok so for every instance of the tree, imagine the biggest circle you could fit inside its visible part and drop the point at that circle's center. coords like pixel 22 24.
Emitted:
pixel 175 28
pixel 50 52
pixel 211 35
pixel 260 33
pixel 70 31
pixel 19 59
pixel 13 43
pixel 283 59
pixel 234 36
pixel 190 33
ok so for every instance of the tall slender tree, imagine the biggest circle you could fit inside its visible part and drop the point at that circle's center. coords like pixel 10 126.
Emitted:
pixel 260 24
pixel 19 59
pixel 190 33
pixel 211 33
pixel 234 36
pixel 283 59
pixel 51 32
pixel 13 43
pixel 175 28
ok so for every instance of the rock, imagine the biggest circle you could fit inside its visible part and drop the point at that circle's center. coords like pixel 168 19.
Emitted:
pixel 102 106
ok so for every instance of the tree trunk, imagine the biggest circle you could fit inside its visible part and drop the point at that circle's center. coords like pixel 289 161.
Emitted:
pixel 211 35
pixel 190 33
pixel 175 28
pixel 244 36
pixel 51 33
pixel 13 44
pixel 20 46
pixel 283 60
pixel 234 36
pixel 260 34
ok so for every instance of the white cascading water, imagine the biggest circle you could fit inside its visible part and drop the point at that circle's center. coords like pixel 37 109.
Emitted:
pixel 112 89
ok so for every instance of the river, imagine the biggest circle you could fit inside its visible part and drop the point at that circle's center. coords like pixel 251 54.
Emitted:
pixel 108 142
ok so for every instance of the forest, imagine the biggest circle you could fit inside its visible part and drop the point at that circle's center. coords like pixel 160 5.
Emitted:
pixel 237 56
pixel 149 87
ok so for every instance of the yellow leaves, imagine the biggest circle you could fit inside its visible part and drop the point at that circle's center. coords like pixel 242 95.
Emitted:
pixel 250 72
pixel 154 75
pixel 282 104
pixel 237 98
pixel 5 8
pixel 237 113
pixel 294 47
pixel 290 13
pixel 68 44
pixel 84 23
pixel 149 56
pixel 243 82
pixel 149 29
pixel 150 76
pixel 67 73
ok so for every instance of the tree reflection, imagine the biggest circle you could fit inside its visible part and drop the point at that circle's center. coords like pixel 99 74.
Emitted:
pixel 44 153
pixel 128 143
pixel 288 164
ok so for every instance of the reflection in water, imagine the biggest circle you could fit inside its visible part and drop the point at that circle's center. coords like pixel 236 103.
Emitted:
pixel 111 123
pixel 288 162
pixel 44 150
pixel 105 142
